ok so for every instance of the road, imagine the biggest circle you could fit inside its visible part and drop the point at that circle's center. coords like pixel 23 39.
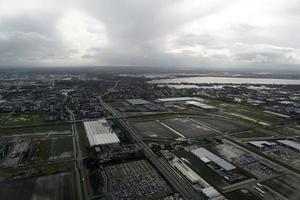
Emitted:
pixel 79 168
pixel 179 184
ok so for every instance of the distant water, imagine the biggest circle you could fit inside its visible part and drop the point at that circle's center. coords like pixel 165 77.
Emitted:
pixel 228 80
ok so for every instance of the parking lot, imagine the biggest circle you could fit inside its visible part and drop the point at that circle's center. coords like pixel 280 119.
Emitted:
pixel 136 180
pixel 285 155
pixel 255 166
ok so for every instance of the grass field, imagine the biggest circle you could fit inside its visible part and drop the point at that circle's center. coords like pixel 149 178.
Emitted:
pixel 24 120
pixel 55 148
pixel 288 131
pixel 84 143
pixel 61 129
pixel 247 111
pixel 251 134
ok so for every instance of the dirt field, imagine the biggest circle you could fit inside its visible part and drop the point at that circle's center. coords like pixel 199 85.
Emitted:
pixel 52 187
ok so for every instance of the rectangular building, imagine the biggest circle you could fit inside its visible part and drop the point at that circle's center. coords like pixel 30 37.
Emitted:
pixel 177 99
pixel 185 170
pixel 200 105
pixel 262 144
pixel 137 101
pixel 99 133
pixel 290 143
pixel 202 154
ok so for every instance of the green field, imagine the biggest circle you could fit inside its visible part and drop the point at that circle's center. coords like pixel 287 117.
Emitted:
pixel 12 174
pixel 83 141
pixel 24 120
pixel 61 129
pixel 55 149
pixel 246 111
pixel 251 134
pixel 288 131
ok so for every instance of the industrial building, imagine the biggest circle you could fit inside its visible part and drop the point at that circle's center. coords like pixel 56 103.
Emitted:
pixel 205 188
pixel 212 194
pixel 262 144
pixel 137 101
pixel 100 133
pixel 206 156
pixel 200 105
pixel 177 99
pixel 185 170
pixel 290 144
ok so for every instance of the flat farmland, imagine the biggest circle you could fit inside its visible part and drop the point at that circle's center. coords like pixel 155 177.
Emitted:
pixel 154 129
pixel 189 127
pixel 51 187
pixel 24 120
pixel 54 149
pixel 57 129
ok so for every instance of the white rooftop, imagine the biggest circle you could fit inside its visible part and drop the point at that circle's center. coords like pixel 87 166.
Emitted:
pixel 137 101
pixel 99 133
pixel 261 144
pixel 188 172
pixel 180 99
pixel 290 143
pixel 201 152
pixel 199 104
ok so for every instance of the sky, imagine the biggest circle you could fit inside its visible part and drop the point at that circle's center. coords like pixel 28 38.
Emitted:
pixel 216 34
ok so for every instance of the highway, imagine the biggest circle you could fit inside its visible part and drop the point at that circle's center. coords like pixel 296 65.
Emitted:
pixel 79 168
pixel 179 184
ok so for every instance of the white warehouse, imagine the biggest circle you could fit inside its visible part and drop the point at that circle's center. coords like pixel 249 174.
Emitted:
pixel 207 156
pixel 99 133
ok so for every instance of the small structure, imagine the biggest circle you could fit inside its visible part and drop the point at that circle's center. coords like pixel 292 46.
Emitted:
pixel 262 144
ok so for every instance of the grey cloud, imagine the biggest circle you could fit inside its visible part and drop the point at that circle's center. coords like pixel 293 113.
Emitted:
pixel 139 31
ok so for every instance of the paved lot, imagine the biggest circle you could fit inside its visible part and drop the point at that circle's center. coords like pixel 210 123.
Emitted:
pixel 188 127
pixel 154 129
pixel 222 124
pixel 136 180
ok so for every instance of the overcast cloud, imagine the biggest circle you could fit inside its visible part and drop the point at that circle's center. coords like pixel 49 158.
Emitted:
pixel 191 33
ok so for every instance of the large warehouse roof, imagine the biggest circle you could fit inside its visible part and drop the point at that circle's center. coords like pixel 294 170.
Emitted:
pixel 290 143
pixel 99 133
pixel 201 152
pixel 137 101
pixel 199 104
pixel 164 100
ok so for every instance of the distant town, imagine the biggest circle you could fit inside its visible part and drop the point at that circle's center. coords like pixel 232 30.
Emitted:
pixel 78 135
